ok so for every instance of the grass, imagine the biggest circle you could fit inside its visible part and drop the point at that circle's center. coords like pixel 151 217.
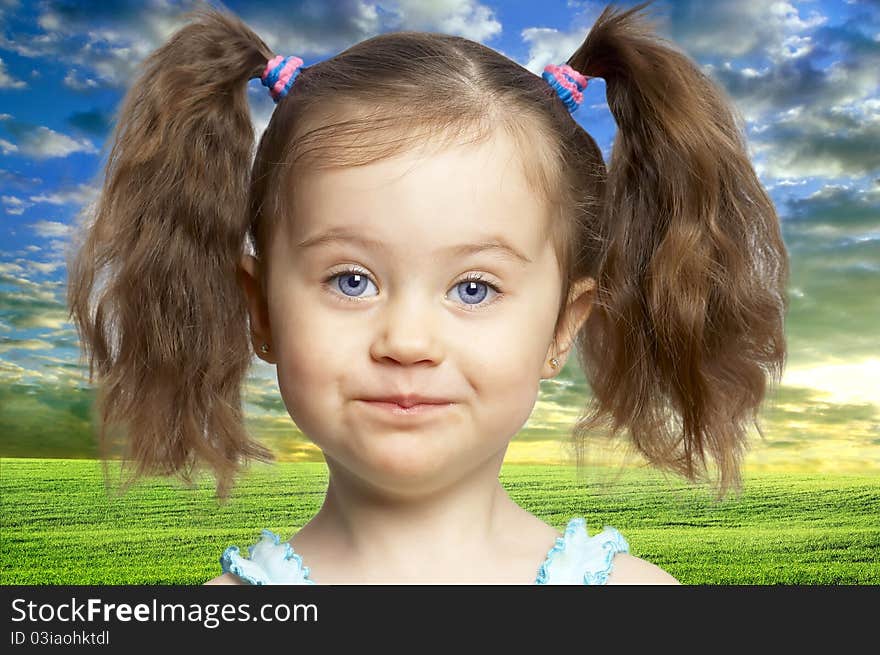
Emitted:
pixel 60 526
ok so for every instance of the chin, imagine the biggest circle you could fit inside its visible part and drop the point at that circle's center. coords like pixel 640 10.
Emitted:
pixel 403 471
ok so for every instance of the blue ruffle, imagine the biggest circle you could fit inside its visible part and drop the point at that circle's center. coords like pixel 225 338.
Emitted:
pixel 578 558
pixel 269 562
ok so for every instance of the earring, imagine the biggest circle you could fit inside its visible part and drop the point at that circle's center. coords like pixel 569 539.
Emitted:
pixel 264 348
pixel 554 362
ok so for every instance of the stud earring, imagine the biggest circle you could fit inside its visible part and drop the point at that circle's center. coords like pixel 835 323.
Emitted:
pixel 264 348
pixel 554 362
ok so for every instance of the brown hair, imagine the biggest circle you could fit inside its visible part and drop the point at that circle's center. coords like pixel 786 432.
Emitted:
pixel 679 234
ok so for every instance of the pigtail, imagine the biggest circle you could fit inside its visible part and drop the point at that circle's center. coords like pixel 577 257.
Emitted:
pixel 691 282
pixel 169 335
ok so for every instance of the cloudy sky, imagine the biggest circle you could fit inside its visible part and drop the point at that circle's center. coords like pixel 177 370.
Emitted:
pixel 804 75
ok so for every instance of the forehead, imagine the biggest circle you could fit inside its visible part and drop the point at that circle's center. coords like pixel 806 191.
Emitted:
pixel 427 196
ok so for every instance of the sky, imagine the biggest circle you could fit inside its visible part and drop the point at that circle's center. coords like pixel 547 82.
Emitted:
pixel 803 75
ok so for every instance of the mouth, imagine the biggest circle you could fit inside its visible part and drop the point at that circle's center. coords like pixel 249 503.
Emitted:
pixel 395 409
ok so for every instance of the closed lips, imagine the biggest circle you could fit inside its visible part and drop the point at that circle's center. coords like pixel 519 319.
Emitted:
pixel 409 401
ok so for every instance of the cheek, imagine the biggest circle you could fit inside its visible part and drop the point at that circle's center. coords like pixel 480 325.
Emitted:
pixel 309 358
pixel 513 347
pixel 506 365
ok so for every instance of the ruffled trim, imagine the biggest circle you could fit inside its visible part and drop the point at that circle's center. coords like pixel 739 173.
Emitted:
pixel 578 558
pixel 269 562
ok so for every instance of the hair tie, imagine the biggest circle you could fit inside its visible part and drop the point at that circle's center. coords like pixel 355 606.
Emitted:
pixel 568 84
pixel 280 74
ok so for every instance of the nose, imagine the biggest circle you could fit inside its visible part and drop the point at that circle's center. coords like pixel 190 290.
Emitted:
pixel 405 332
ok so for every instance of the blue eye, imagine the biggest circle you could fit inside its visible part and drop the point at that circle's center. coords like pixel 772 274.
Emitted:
pixel 472 290
pixel 351 283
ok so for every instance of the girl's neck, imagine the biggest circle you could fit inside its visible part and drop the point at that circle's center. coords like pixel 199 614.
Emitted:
pixel 469 529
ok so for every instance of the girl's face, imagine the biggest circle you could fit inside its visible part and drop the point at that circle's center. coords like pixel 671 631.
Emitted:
pixel 369 296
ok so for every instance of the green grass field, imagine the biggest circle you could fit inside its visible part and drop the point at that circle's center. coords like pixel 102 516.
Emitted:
pixel 60 526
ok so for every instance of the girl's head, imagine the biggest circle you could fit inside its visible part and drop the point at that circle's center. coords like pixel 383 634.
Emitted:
pixel 666 270
pixel 426 273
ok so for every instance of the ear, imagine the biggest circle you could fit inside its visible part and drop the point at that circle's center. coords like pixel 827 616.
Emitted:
pixel 578 306
pixel 249 274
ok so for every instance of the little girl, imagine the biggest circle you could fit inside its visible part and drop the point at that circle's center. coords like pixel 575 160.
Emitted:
pixel 432 234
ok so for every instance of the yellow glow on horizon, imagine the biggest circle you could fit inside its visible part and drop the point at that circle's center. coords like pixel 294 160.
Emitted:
pixel 851 382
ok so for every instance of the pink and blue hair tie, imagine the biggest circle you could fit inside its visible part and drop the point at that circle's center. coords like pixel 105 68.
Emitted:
pixel 280 74
pixel 568 84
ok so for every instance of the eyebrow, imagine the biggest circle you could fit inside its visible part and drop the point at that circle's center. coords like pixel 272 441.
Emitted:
pixel 345 235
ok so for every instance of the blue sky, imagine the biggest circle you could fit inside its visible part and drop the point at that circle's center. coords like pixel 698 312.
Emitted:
pixel 804 76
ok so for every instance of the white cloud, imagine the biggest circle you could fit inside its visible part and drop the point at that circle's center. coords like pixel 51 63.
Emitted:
pixel 466 18
pixel 45 268
pixel 71 81
pixel 11 268
pixel 833 142
pixel 748 27
pixel 105 55
pixel 44 143
pixel 50 229
pixel 550 46
pixel 107 50
pixel 24 344
pixel 81 195
pixel 7 81
pixel 15 205
pixel 50 22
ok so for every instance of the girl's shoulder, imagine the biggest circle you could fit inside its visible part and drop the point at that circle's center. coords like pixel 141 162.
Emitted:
pixel 226 578
pixel 629 569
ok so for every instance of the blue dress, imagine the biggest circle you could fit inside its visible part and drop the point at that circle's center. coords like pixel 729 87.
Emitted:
pixel 575 558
